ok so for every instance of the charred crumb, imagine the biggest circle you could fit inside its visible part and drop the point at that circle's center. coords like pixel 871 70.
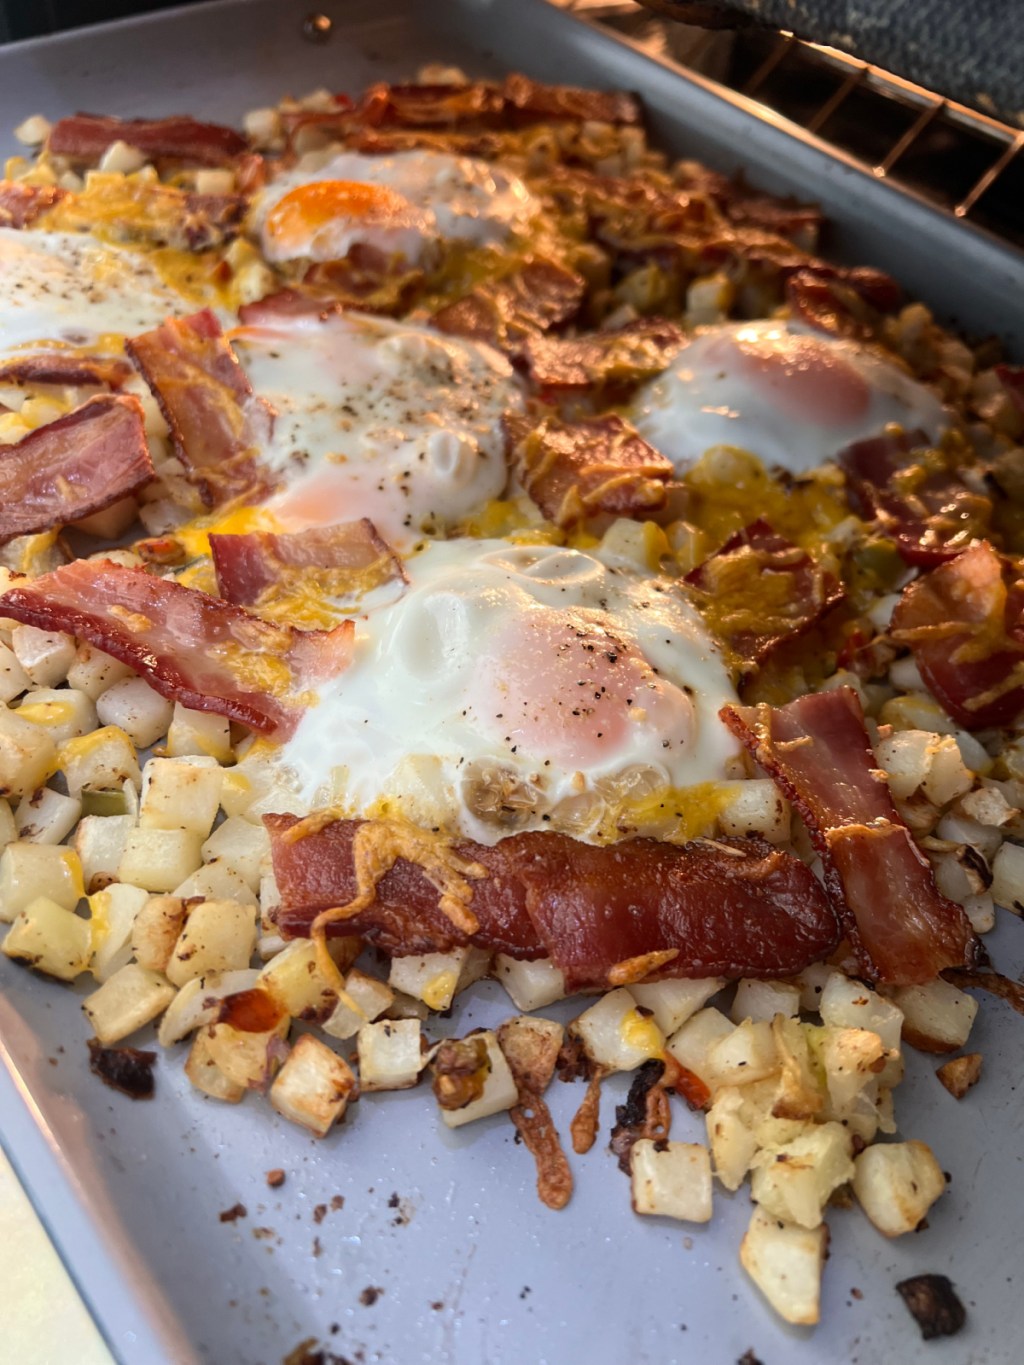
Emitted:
pixel 369 1296
pixel 310 1352
pixel 126 1069
pixel 319 1213
pixel 232 1214
pixel 337 1202
pixel 394 1200
pixel 275 1178
pixel 934 1305
pixel 573 1063
pixel 856 1293
pixel 959 1074
pixel 749 1358
pixel 525 1291
pixel 644 1115
pixel 317 1248
pixel 437 1305
pixel 263 1234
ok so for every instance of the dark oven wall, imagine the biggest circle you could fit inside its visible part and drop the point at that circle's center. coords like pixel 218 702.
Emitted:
pixel 27 18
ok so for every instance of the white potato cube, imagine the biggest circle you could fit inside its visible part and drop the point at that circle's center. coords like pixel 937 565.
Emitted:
pixel 615 1035
pixel 691 1045
pixel 672 1002
pixel 127 1001
pixel 785 1262
pixel 198 1003
pixel 531 985
pixel 248 1059
pixel 240 845
pixel 1008 877
pixel 101 761
pixel 51 939
pixel 99 843
pixel 948 777
pixel 155 930
pixel 851 1058
pixel 216 882
pixel 198 732
pixel 812 982
pixel 499 1091
pixel 33 131
pixel 206 1075
pixel 937 1017
pixel 747 1053
pixel 794 1182
pixel 390 1055
pixel 13 678
pixel 180 793
pixel 896 1184
pixel 45 655
pixel 313 1086
pixel 756 806
pixel 763 1000
pixel 159 859
pixel 219 936
pixel 28 754
pixel 92 671
pixel 672 1179
pixel 8 831
pixel 364 999
pixel 30 871
pixel 47 816
pixel 296 982
pixel 112 915
pixel 850 1004
pixel 733 1142
pixel 140 712
pixel 432 977
pixel 61 713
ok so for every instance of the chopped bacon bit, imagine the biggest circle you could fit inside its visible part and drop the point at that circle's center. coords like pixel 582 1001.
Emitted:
pixel 335 559
pixel 574 470
pixel 189 646
pixel 217 423
pixel 964 622
pixel 368 279
pixel 85 137
pixel 124 1068
pixel 1010 376
pixel 544 102
pixel 842 306
pixel 817 750
pixel 934 1305
pixel 915 496
pixel 646 1113
pixel 801 223
pixel 759 590
pixel 587 1117
pixel 284 304
pixel 64 367
pixel 430 106
pixel 70 468
pixel 510 312
pixel 22 204
pixel 619 358
pixel 733 908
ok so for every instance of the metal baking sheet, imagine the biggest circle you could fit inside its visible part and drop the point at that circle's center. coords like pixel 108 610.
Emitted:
pixel 469 1266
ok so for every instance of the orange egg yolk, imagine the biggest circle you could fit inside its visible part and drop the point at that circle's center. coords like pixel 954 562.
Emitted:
pixel 802 376
pixel 308 208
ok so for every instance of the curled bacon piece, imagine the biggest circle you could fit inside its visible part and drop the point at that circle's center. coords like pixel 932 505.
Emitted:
pixel 915 496
pixel 732 908
pixel 573 470
pixel 537 102
pixel 64 367
pixel 217 423
pixel 429 106
pixel 760 589
pixel 336 558
pixel 85 137
pixel 508 313
pixel 817 750
pixel 618 358
pixel 964 622
pixel 73 467
pixel 189 646
pixel 844 303
pixel 367 279
pixel 22 204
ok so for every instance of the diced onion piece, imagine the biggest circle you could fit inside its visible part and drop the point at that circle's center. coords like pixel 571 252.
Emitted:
pixel 313 1086
pixel 51 939
pixel 112 915
pixel 29 872
pixel 390 1055
pixel 896 1184
pixel 937 1017
pixel 219 936
pixel 794 1182
pixel 531 985
pixel 673 1179
pixel 785 1262
pixel 127 1001
pixel 615 1035
pixel 763 1000
pixel 672 1002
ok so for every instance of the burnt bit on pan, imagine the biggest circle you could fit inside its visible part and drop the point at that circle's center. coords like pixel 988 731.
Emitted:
pixel 233 1214
pixel 934 1304
pixel 126 1069
pixel 748 1358
pixel 644 1115
pixel 310 1352
pixel 369 1296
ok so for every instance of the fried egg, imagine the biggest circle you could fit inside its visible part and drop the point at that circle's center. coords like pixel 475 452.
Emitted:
pixel 790 396
pixel 379 419
pixel 402 204
pixel 520 687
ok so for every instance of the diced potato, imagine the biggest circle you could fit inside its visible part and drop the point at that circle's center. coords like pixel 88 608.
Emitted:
pixel 28 754
pixel 851 1058
pixel 206 1075
pixel 733 1143
pixel 100 761
pixel 47 816
pixel 988 806
pixel 958 829
pixel 615 1035
pixel 692 1044
pixel 313 1086
pixel 905 757
pixel 33 131
pixel 431 978
pixel 155 931
pixel 763 1000
pixel 179 793
pixel 198 1003
pixel 45 655
pixel 476 965
pixel 390 1055
pixel 364 1000
pixel 216 882
pixel 499 1088
pixel 794 1182
pixel 159 859
pixel 92 671
pixel 13 678
pixel 140 712
pixel 248 1059
pixel 127 1001
pixel 61 713
pixel 916 711
pixel 219 936
pixel 198 732
pixel 8 831
pixel 746 1053
pixel 1008 877
pixel 937 1017
pixel 850 1004
pixel 812 982
pixel 295 980
pixel 981 911
pixel 30 871
pixel 799 1094
pixel 672 1179
pixel 99 843
pixel 51 939
pixel 672 1002
pixel 896 1184
pixel 240 845
pixel 406 1007
pixel 531 985
pixel 112 914
pixel 786 1262
pixel 960 1073
pixel 756 806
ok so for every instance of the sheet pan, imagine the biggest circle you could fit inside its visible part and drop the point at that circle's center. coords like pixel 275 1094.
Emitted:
pixel 447 1226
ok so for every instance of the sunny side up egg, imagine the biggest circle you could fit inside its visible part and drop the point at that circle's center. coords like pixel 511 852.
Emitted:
pixel 379 419
pixel 402 204
pixel 521 687
pixel 790 396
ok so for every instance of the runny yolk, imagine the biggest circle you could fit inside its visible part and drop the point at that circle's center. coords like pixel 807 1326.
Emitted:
pixel 802 376
pixel 307 208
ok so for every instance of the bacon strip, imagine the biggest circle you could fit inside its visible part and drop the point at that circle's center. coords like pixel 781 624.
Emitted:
pixel 85 137
pixel 218 425
pixel 622 357
pixel 73 467
pixel 21 204
pixel 574 470
pixel 917 499
pixel 64 367
pixel 730 908
pixel 760 589
pixel 337 558
pixel 508 313
pixel 532 100
pixel 189 646
pixel 964 622
pixel 817 750
pixel 844 303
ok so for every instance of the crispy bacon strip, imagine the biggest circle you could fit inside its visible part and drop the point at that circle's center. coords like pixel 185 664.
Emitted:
pixel 817 750
pixel 621 357
pixel 73 467
pixel 964 622
pixel 65 367
pixel 337 558
pixel 537 102
pixel 844 303
pixel 217 423
pixel 21 204
pixel 85 137
pixel 573 470
pixel 509 312
pixel 759 589
pixel 734 908
pixel 368 279
pixel 916 498
pixel 189 646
